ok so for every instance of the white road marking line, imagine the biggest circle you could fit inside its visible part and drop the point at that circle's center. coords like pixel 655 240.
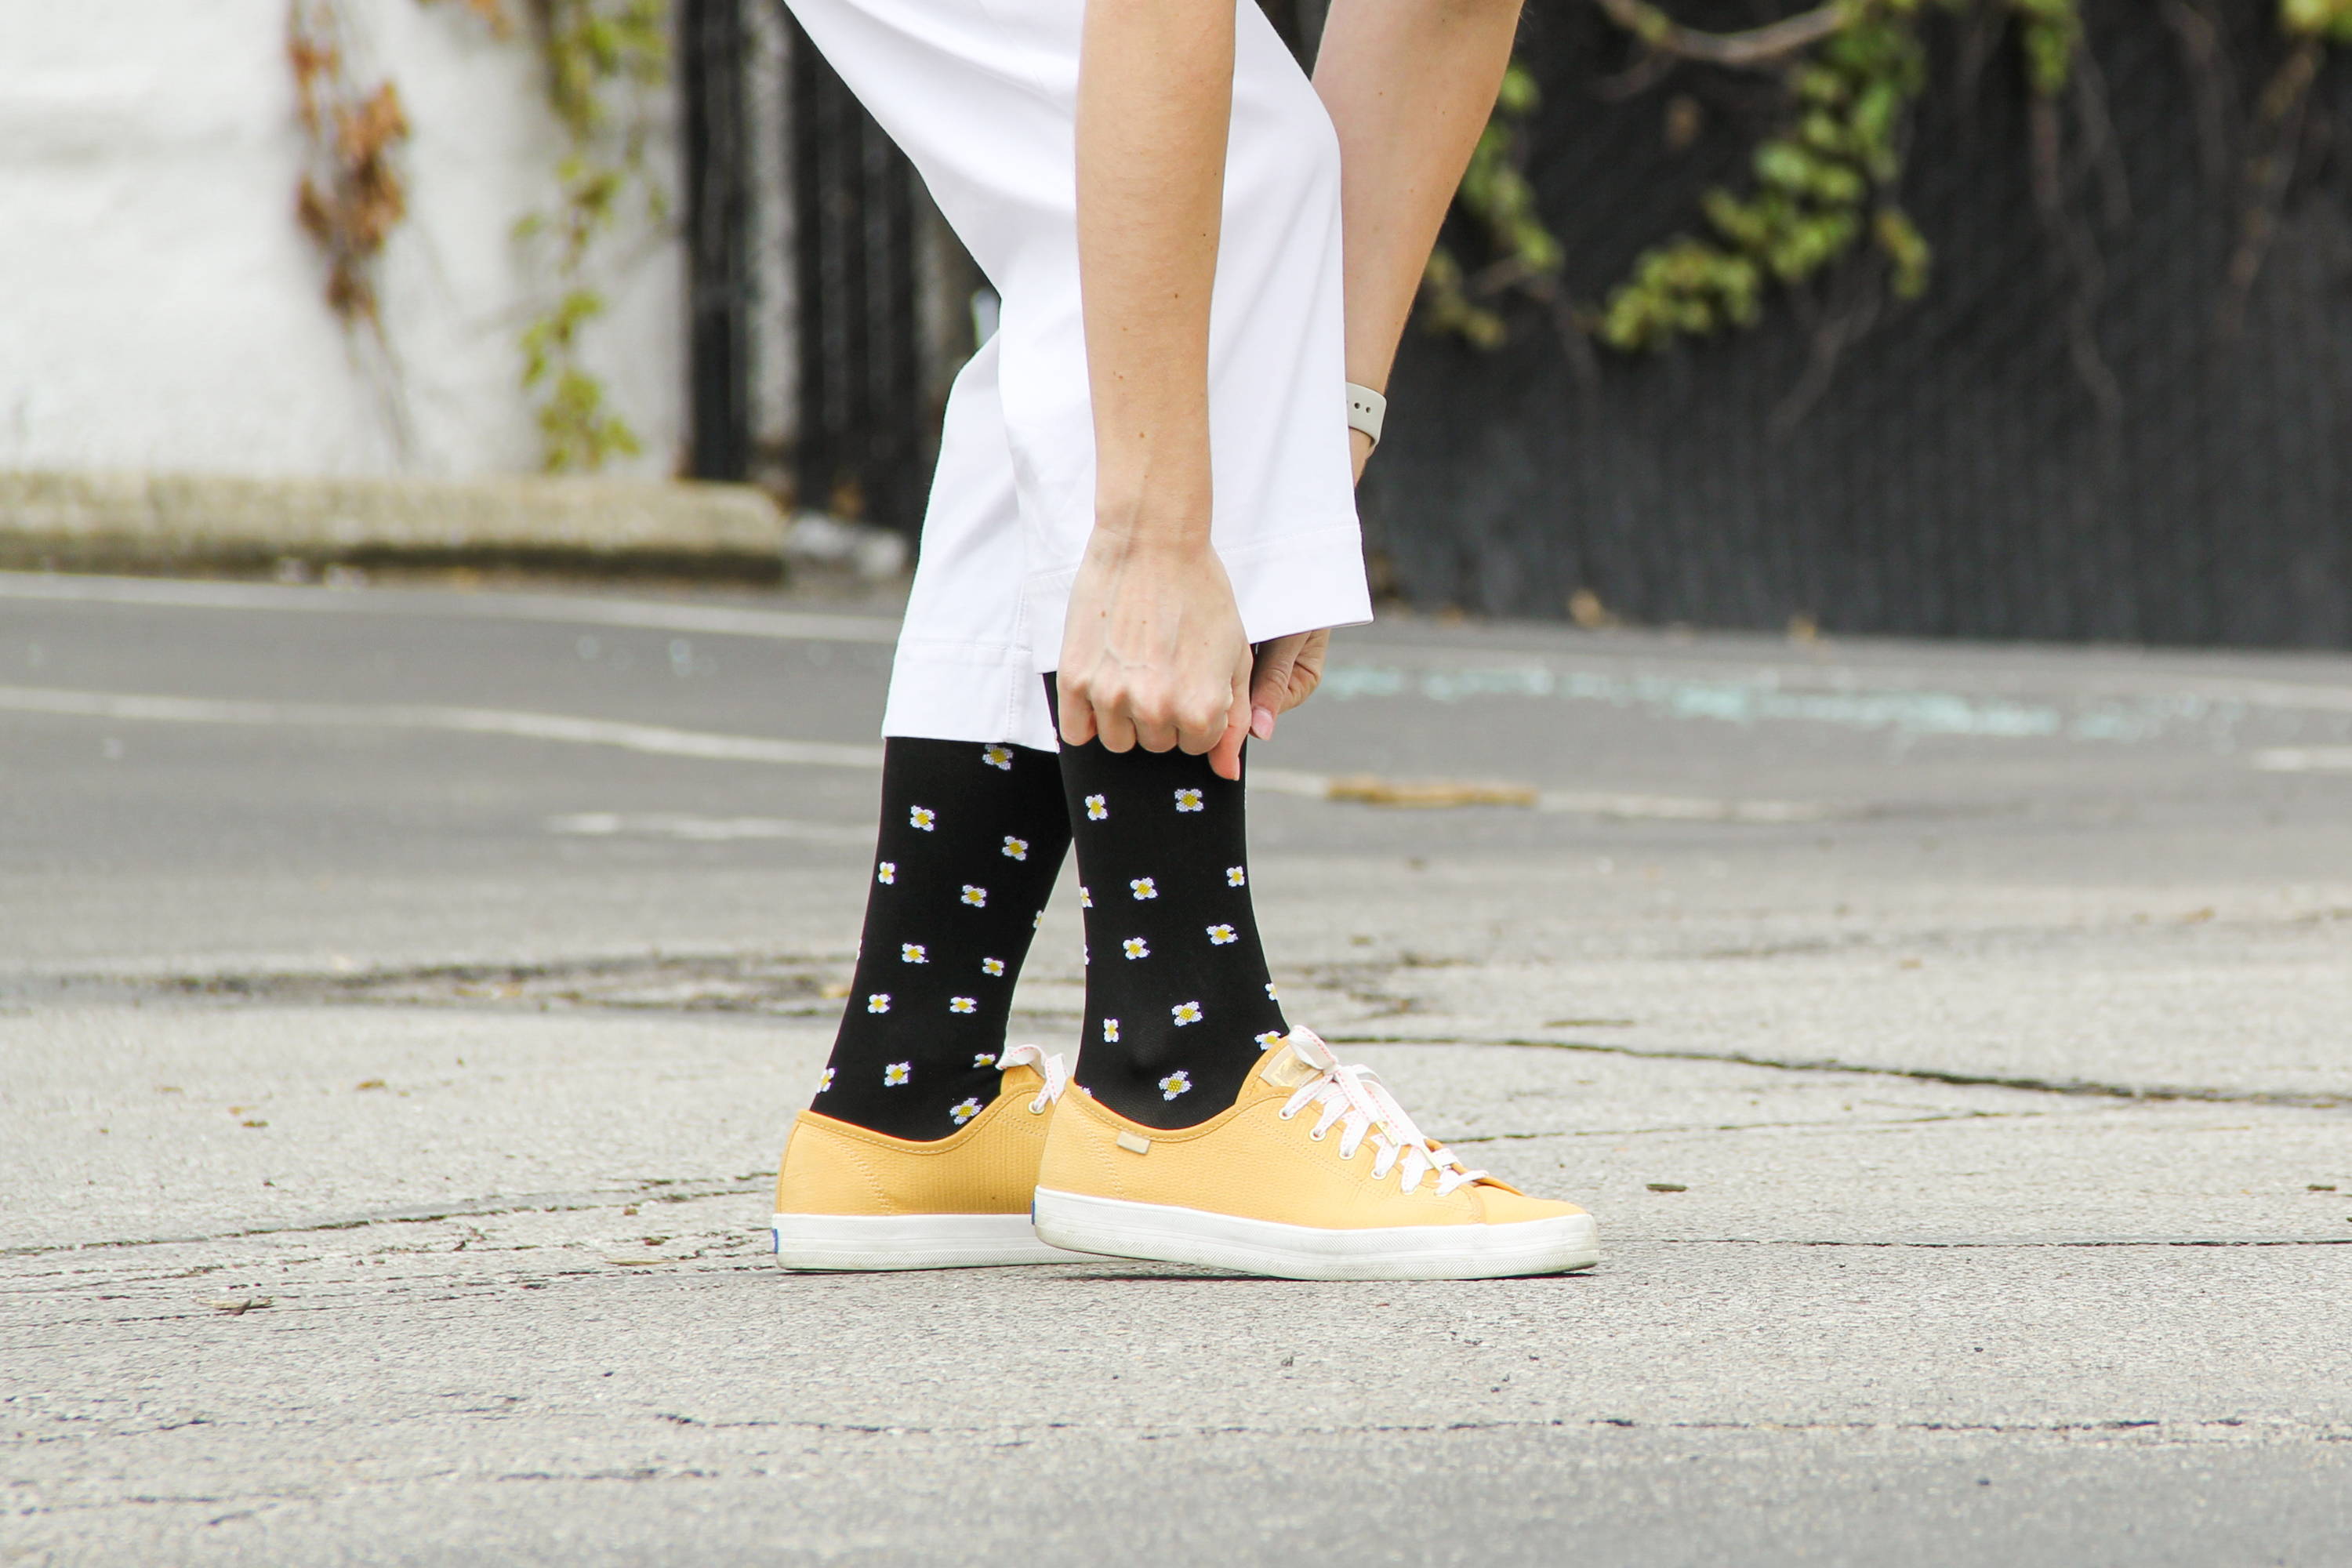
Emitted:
pixel 711 620
pixel 703 829
pixel 1683 808
pixel 2305 760
pixel 659 741
pixel 653 739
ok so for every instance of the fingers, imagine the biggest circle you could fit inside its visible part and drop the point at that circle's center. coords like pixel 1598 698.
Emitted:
pixel 1077 711
pixel 1307 670
pixel 1270 685
pixel 1225 757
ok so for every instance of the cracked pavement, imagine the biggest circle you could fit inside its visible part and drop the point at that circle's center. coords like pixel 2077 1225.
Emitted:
pixel 392 1112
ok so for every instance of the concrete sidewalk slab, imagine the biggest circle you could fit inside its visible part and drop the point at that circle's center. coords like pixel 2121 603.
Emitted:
pixel 159 521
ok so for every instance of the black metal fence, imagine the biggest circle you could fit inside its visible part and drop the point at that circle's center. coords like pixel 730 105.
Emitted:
pixel 2084 429
pixel 863 427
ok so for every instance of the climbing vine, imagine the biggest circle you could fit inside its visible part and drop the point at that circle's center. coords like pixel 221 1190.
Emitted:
pixel 1824 185
pixel 606 64
pixel 351 193
pixel 607 61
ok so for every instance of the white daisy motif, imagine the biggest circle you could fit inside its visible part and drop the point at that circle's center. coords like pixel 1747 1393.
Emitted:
pixel 1237 877
pixel 1038 921
pixel 985 1059
pixel 1015 848
pixel 887 872
pixel 976 897
pixel 964 1112
pixel 1270 1039
pixel 896 1073
pixel 1185 1012
pixel 1086 897
pixel 921 816
pixel 878 1003
pixel 825 1082
pixel 1086 953
pixel 1110 1031
pixel 962 1005
pixel 913 952
pixel 1134 948
pixel 998 757
pixel 1273 991
pixel 1220 935
pixel 991 966
pixel 1189 800
pixel 1096 808
pixel 1144 887
pixel 1174 1084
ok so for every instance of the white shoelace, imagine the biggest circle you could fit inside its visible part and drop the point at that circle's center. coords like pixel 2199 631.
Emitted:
pixel 1057 1076
pixel 1355 1099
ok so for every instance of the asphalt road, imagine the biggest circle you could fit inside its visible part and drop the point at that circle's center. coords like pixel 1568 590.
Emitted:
pixel 404 994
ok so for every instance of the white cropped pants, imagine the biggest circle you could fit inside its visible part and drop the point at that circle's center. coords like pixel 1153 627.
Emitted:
pixel 981 95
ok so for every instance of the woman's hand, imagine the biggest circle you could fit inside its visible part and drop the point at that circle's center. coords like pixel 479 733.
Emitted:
pixel 1153 653
pixel 1288 670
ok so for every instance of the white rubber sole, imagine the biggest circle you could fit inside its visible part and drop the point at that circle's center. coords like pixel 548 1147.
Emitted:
pixel 910 1241
pixel 1119 1228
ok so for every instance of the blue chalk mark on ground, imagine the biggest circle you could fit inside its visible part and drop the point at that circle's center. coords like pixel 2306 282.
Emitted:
pixel 1905 713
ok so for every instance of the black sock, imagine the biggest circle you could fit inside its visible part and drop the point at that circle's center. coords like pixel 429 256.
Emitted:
pixel 1179 1003
pixel 972 837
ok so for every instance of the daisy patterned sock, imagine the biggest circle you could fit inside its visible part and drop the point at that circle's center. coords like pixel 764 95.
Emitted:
pixel 1178 1003
pixel 972 837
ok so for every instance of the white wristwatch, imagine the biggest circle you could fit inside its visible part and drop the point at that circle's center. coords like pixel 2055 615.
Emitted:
pixel 1366 410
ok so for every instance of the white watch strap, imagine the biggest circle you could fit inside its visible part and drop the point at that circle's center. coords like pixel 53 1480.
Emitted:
pixel 1366 410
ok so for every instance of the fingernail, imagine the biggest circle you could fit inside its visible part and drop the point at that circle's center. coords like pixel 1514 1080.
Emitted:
pixel 1262 723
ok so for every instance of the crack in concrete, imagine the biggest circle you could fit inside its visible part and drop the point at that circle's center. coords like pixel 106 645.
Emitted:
pixel 534 1203
pixel 2079 1087
pixel 1859 1123
pixel 2022 1244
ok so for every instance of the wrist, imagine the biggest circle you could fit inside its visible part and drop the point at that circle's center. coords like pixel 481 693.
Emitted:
pixel 1152 523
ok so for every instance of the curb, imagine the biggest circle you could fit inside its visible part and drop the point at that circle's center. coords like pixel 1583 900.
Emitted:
pixel 151 521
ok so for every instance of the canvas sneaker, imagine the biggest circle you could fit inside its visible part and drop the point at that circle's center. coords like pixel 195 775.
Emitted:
pixel 1315 1174
pixel 850 1198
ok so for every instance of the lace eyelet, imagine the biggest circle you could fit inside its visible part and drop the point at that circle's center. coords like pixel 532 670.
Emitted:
pixel 1284 1115
pixel 1317 1136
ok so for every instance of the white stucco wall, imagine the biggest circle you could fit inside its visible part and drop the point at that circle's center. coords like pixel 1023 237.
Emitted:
pixel 160 308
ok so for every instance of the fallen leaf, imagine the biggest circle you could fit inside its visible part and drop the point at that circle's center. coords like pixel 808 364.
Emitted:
pixel 251 1121
pixel 1668 1188
pixel 238 1306
pixel 369 1083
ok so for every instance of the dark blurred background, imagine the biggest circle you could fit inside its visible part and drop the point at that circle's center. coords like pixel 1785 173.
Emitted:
pixel 2121 409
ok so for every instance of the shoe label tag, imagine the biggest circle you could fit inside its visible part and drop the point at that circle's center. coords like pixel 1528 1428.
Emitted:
pixel 1133 1144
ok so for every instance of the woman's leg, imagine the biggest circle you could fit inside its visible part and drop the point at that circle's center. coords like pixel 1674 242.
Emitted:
pixel 972 839
pixel 1179 1002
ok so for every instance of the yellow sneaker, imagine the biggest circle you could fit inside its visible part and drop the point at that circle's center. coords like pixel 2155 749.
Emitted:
pixel 850 1198
pixel 1266 1189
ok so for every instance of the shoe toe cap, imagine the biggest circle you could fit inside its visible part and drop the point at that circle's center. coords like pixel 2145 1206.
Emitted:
pixel 1500 1205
